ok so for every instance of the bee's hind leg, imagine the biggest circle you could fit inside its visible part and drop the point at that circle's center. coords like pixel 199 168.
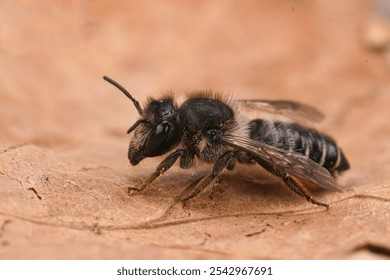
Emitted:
pixel 227 160
pixel 294 186
pixel 290 181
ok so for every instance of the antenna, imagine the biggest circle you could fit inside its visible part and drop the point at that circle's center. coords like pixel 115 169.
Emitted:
pixel 122 89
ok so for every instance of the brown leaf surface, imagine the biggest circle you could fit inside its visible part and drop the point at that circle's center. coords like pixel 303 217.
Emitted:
pixel 63 166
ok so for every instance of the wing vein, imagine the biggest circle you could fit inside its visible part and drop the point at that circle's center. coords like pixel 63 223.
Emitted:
pixel 291 109
pixel 284 161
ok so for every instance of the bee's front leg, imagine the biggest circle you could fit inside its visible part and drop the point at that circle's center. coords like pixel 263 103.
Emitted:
pixel 161 168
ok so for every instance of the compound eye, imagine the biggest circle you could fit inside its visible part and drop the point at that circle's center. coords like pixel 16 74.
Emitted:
pixel 163 138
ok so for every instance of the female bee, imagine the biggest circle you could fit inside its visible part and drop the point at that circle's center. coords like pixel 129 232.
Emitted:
pixel 207 127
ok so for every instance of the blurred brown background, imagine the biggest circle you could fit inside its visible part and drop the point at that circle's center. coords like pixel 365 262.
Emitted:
pixel 64 168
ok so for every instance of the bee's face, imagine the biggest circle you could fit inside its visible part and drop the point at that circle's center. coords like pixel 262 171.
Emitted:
pixel 158 133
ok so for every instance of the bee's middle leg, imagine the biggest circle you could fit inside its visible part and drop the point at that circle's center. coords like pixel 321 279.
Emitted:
pixel 227 160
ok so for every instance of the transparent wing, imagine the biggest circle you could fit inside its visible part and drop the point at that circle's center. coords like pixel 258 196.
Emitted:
pixel 293 110
pixel 283 161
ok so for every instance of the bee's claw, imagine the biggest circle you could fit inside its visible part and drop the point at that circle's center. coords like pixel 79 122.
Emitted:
pixel 133 191
pixel 185 202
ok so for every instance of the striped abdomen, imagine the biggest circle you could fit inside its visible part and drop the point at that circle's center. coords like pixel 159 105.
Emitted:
pixel 318 147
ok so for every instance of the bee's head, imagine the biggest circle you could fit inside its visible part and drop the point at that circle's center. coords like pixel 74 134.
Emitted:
pixel 158 130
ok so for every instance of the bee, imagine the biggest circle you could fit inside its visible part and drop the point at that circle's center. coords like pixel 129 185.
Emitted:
pixel 213 129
